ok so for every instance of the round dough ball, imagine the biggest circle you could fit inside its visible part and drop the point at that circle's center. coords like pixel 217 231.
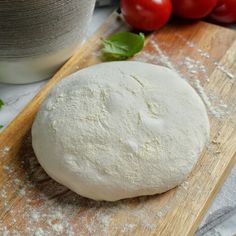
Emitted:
pixel 120 130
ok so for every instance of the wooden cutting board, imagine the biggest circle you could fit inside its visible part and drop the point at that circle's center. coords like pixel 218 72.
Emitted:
pixel 33 204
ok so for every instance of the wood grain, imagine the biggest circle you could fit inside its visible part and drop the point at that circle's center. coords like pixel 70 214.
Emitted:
pixel 31 202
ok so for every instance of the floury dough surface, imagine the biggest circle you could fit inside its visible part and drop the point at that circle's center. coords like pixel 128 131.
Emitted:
pixel 119 130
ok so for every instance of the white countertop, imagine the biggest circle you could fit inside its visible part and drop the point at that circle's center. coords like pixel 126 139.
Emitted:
pixel 221 218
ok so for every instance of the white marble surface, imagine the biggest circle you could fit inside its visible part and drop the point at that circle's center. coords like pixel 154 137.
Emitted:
pixel 221 218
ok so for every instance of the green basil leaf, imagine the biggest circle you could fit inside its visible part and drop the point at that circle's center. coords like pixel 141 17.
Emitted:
pixel 1 103
pixel 123 45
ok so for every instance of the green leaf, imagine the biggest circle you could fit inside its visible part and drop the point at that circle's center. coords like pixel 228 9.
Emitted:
pixel 1 103
pixel 123 45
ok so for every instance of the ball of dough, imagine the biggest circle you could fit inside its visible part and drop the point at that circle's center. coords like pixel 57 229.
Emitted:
pixel 120 130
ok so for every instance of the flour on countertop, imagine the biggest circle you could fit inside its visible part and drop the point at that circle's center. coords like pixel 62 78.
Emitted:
pixel 195 68
pixel 45 216
pixel 195 73
pixel 218 111
pixel 51 209
pixel 39 232
pixel 165 59
pixel 225 71
pixel 5 151
pixel 54 210
pixel 206 55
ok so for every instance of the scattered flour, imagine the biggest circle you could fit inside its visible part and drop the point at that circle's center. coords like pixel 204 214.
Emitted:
pixel 48 208
pixel 3 193
pixel 35 215
pixel 128 227
pixel 147 57
pixel 165 59
pixel 51 209
pixel 22 192
pixel 195 72
pixel 5 151
pixel 206 55
pixel 195 68
pixel 202 53
pixel 58 228
pixel 225 71
pixel 218 111
pixel 39 232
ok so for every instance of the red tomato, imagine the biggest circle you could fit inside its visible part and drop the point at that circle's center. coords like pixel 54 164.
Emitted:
pixel 146 15
pixel 225 11
pixel 193 9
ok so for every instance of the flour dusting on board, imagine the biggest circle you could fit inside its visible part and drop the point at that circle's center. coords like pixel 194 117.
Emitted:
pixel 4 151
pixel 219 111
pixel 196 73
pixel 51 209
pixel 206 55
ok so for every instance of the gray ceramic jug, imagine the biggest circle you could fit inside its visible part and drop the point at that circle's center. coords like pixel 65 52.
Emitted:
pixel 38 36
